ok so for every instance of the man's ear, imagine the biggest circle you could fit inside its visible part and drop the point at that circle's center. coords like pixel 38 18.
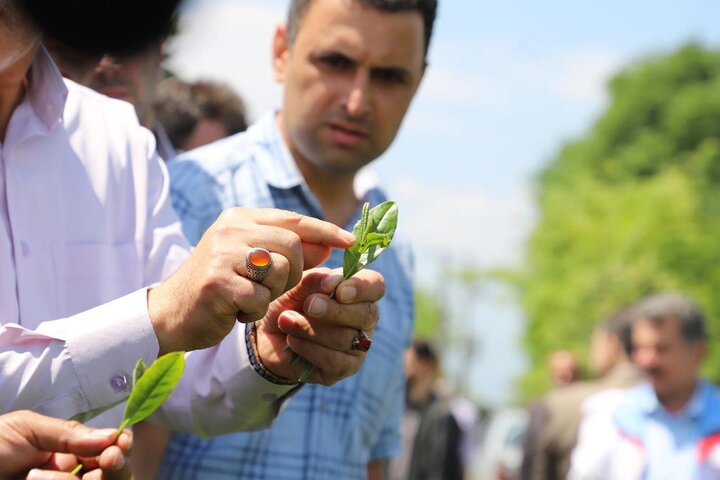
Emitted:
pixel 281 52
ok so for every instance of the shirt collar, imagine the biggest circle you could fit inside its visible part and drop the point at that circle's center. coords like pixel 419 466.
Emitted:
pixel 695 408
pixel 47 92
pixel 276 164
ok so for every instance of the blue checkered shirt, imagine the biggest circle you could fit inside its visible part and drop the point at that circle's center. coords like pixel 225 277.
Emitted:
pixel 323 432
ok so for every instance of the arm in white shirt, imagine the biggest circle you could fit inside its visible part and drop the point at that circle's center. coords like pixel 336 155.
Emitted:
pixel 80 366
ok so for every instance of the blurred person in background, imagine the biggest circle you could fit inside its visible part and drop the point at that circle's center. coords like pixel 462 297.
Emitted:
pixel 555 430
pixel 431 430
pixel 132 77
pixel 350 70
pixel 564 368
pixel 669 426
pixel 194 114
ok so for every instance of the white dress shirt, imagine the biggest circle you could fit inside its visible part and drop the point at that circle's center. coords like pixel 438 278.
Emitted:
pixel 85 220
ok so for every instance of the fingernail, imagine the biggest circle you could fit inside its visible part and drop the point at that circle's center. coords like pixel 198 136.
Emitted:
pixel 316 307
pixel 330 282
pixel 346 293
pixel 120 463
pixel 347 235
pixel 34 474
pixel 103 433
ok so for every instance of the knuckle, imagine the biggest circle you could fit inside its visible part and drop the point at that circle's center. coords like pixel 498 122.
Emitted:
pixel 372 314
pixel 381 286
pixel 292 241
pixel 293 218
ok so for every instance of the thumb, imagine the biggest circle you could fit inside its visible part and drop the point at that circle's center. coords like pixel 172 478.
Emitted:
pixel 66 436
pixel 317 280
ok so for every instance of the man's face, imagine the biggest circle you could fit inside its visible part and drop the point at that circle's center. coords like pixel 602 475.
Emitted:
pixel 670 362
pixel 349 78
pixel 132 78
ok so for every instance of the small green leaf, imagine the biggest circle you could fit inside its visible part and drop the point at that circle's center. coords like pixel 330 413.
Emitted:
pixel 153 386
pixel 140 368
pixel 307 369
pixel 373 232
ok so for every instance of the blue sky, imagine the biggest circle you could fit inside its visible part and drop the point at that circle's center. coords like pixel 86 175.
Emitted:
pixel 509 82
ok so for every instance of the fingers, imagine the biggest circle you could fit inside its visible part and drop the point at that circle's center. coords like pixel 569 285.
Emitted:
pixel 250 299
pixel 331 313
pixel 285 233
pixel 56 435
pixel 275 279
pixel 330 365
pixel 113 465
pixel 364 286
pixel 37 474
pixel 314 255
pixel 322 333
pixel 310 230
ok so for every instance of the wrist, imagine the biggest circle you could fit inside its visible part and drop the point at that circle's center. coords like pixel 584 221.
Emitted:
pixel 158 315
pixel 251 342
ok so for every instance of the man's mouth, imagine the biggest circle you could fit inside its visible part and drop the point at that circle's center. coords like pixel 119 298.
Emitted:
pixel 347 133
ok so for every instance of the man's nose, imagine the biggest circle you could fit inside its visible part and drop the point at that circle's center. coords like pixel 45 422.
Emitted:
pixel 107 65
pixel 357 102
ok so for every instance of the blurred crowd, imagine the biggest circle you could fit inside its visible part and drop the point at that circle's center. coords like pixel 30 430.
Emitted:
pixel 646 413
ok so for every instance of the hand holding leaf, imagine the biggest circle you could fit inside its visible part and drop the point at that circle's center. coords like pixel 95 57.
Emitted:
pixel 373 234
pixel 151 387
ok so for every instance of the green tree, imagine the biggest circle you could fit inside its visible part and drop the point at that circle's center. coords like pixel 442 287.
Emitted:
pixel 632 208
pixel 428 314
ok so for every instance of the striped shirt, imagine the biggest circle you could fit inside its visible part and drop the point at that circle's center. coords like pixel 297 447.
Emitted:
pixel 323 432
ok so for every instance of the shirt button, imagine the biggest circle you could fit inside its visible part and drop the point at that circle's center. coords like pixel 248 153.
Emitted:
pixel 119 382
pixel 24 248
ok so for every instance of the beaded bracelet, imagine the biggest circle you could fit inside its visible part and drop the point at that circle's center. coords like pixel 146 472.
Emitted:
pixel 251 344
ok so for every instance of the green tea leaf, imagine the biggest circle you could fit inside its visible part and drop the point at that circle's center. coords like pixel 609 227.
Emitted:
pixel 373 232
pixel 153 386
pixel 140 368
pixel 307 369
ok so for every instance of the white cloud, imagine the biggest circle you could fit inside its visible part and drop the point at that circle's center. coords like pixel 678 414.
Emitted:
pixel 580 75
pixel 468 225
pixel 230 41
pixel 445 85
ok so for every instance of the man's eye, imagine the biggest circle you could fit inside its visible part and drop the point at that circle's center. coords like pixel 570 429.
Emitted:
pixel 390 76
pixel 337 61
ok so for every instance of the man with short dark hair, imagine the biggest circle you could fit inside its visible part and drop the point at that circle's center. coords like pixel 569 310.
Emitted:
pixel 350 69
pixel 668 427
pixel 95 273
pixel 194 114
pixel 435 434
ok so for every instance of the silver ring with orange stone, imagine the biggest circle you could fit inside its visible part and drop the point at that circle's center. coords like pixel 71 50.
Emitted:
pixel 257 263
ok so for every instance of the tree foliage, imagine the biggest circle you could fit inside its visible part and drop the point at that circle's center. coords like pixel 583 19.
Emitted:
pixel 632 208
pixel 429 314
